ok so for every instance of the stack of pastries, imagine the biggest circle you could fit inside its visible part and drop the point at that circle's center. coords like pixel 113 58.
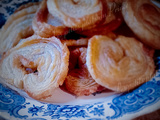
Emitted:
pixel 86 46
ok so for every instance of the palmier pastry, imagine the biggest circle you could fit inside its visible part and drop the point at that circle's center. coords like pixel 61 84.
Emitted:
pixel 47 25
pixel 37 65
pixel 79 81
pixel 112 19
pixel 18 26
pixel 77 14
pixel 142 17
pixel 121 64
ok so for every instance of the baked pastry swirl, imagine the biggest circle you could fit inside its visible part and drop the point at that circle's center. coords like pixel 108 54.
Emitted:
pixel 77 44
pixel 37 65
pixel 79 81
pixel 47 25
pixel 17 27
pixel 77 13
pixel 121 64
pixel 112 19
pixel 143 18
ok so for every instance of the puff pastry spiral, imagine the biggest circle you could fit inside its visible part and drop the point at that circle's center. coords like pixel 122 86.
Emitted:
pixel 37 65
pixel 47 25
pixel 121 64
pixel 18 26
pixel 112 19
pixel 142 17
pixel 77 13
pixel 79 81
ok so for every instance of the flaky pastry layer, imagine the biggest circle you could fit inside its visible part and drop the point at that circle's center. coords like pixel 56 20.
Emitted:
pixel 79 81
pixel 37 65
pixel 17 27
pixel 77 14
pixel 142 17
pixel 47 25
pixel 121 64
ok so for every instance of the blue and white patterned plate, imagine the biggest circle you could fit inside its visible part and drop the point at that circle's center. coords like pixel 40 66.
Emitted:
pixel 142 100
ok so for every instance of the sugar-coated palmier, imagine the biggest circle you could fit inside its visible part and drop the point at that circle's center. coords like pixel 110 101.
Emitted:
pixel 112 19
pixel 37 65
pixel 75 14
pixel 47 25
pixel 79 81
pixel 18 26
pixel 142 17
pixel 121 64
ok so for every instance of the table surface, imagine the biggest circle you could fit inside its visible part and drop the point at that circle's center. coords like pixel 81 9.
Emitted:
pixel 151 116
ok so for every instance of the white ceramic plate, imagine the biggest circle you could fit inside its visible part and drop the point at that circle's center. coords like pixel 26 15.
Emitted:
pixel 109 105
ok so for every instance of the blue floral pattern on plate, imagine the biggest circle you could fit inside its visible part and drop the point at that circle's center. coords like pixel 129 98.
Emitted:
pixel 145 95
pixel 16 107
